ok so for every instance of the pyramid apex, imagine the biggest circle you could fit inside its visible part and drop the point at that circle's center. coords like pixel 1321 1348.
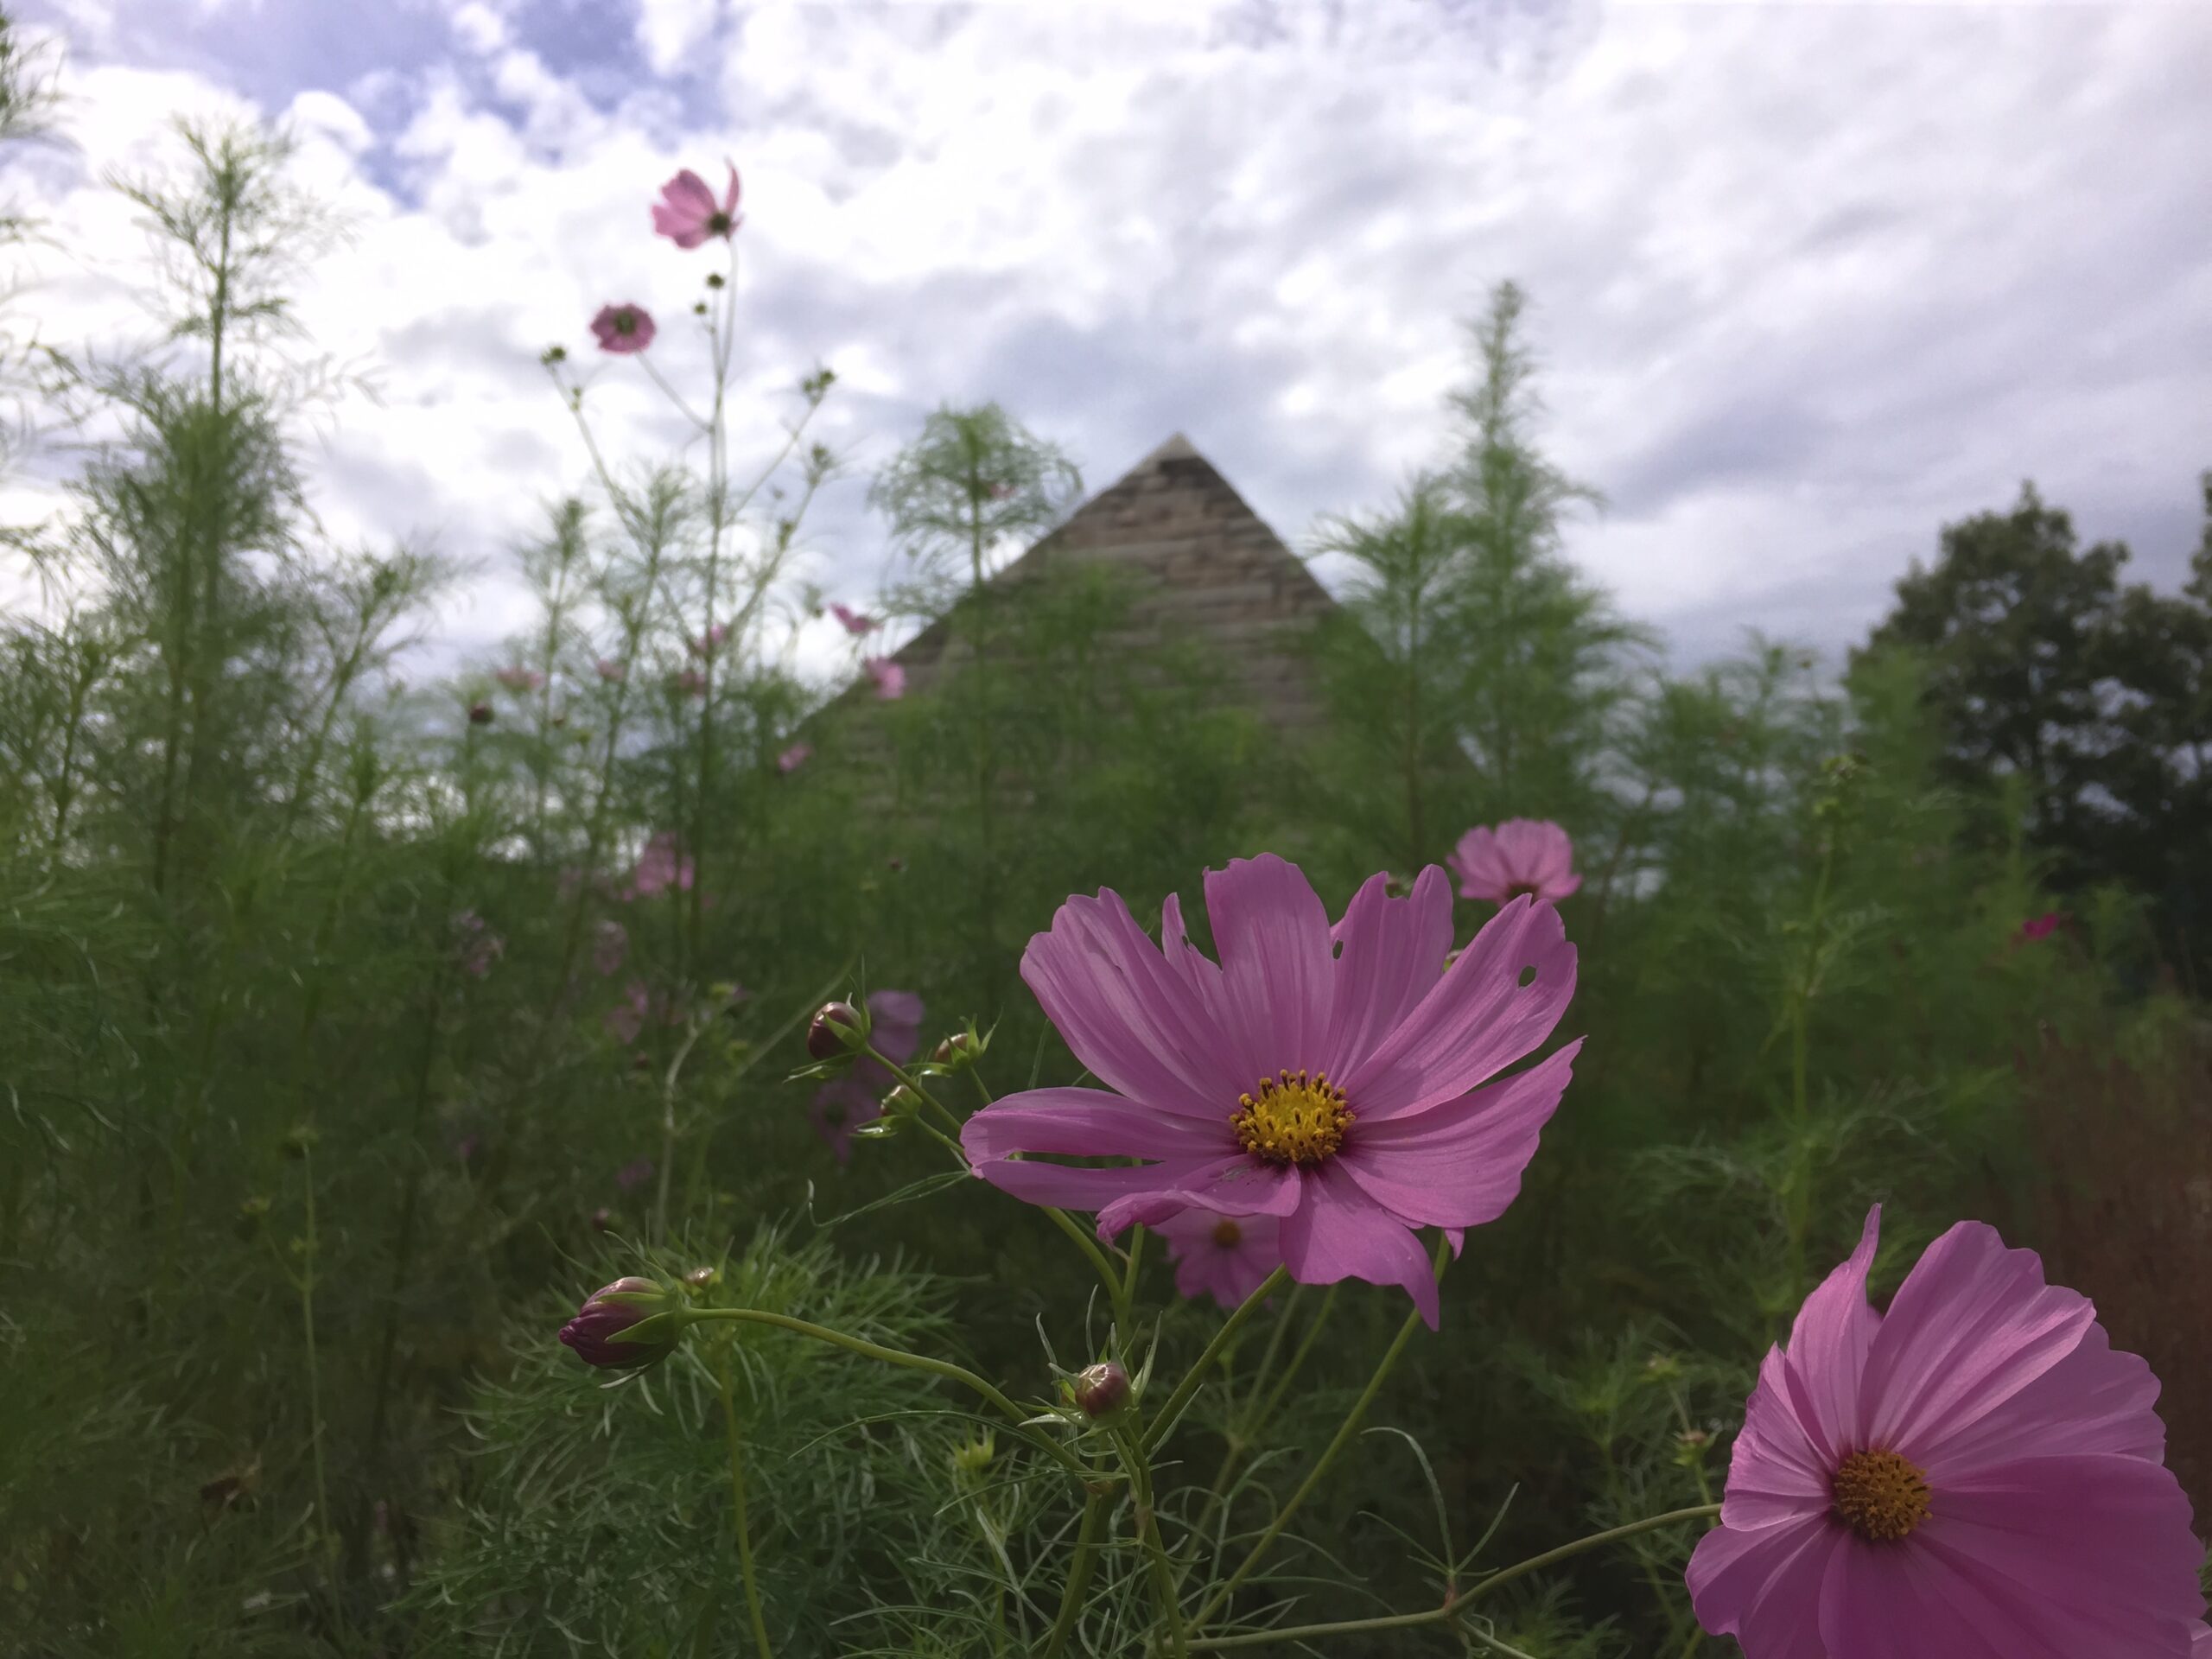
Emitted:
pixel 1177 447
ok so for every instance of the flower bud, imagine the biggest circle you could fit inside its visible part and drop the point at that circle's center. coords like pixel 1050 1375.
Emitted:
pixel 959 1049
pixel 629 1322
pixel 902 1102
pixel 299 1140
pixel 1101 1390
pixel 252 1214
pixel 480 714
pixel 838 1027
pixel 974 1456
pixel 602 1219
pixel 704 1278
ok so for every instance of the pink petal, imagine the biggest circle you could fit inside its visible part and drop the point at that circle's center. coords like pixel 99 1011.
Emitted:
pixel 1763 1587
pixel 1338 1232
pixel 2094 1400
pixel 1973 1324
pixel 688 192
pixel 1088 1123
pixel 1277 973
pixel 1234 1185
pixel 1390 954
pixel 1476 1020
pixel 1828 1346
pixel 1126 1015
pixel 1480 867
pixel 1459 1165
pixel 1185 960
pixel 1071 1187
pixel 730 195
pixel 1777 1474
pixel 1902 1602
pixel 2094 1553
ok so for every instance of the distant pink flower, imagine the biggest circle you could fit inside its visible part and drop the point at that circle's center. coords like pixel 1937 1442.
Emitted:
pixel 1339 1079
pixel 1226 1257
pixel 610 943
pixel 479 946
pixel 890 678
pixel 660 867
pixel 853 622
pixel 1975 1474
pixel 638 1008
pixel 2039 927
pixel 519 679
pixel 1531 855
pixel 688 214
pixel 795 757
pixel 691 682
pixel 705 645
pixel 623 329
pixel 611 671
pixel 1000 491
pixel 634 1174
pixel 845 1103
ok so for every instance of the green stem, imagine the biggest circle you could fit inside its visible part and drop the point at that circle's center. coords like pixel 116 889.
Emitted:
pixel 1451 1609
pixel 1192 1379
pixel 1125 1299
pixel 1345 1431
pixel 944 1368
pixel 1086 1553
pixel 325 1523
pixel 1163 1574
pixel 738 1514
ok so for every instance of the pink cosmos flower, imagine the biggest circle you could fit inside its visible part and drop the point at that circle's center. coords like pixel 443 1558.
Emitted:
pixel 1975 1474
pixel 795 757
pixel 638 1006
pixel 623 329
pixel 1339 1079
pixel 1520 855
pixel 519 679
pixel 2038 927
pixel 610 943
pixel 660 867
pixel 1226 1257
pixel 890 678
pixel 691 682
pixel 705 645
pixel 853 622
pixel 687 212
pixel 844 1103
pixel 611 670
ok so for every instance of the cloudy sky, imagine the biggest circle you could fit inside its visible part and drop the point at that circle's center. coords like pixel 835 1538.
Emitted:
pixel 1809 280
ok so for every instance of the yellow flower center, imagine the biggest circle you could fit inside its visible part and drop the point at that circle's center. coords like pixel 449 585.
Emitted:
pixel 1227 1234
pixel 1292 1119
pixel 1880 1496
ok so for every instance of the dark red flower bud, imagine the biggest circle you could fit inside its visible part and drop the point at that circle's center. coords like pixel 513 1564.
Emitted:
pixel 480 714
pixel 1101 1390
pixel 837 1028
pixel 627 1323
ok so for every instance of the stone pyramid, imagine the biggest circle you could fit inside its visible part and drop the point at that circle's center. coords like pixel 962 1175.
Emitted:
pixel 1207 568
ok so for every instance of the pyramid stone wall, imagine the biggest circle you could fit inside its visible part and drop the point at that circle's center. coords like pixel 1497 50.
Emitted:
pixel 1207 570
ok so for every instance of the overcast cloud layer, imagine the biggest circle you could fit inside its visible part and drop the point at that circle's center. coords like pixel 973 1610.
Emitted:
pixel 1809 280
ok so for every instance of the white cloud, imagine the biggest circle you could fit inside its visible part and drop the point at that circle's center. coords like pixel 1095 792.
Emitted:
pixel 1809 281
